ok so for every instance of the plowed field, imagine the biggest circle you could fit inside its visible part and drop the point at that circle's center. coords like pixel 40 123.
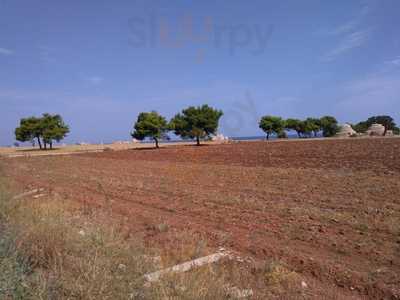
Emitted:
pixel 329 209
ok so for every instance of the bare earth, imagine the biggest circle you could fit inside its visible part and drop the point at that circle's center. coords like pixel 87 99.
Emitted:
pixel 75 149
pixel 329 209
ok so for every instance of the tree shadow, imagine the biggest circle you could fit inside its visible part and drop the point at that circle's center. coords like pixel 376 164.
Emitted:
pixel 36 150
pixel 147 148
pixel 197 146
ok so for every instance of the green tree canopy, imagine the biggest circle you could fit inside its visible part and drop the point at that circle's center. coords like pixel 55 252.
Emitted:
pixel 306 128
pixel 361 127
pixel 329 126
pixel 313 125
pixel 152 125
pixel 28 130
pixel 272 125
pixel 294 124
pixel 54 129
pixel 196 122
pixel 45 130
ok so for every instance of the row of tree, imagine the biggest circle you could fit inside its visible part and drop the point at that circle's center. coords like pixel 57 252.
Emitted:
pixel 44 130
pixel 273 125
pixel 202 121
pixel 192 123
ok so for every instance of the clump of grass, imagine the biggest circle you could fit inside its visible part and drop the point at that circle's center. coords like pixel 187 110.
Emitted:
pixel 204 283
pixel 41 237
pixel 12 271
pixel 276 273
pixel 189 246
pixel 276 281
pixel 13 283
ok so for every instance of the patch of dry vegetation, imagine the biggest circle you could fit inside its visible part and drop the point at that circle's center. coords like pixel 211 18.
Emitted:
pixel 56 259
pixel 49 250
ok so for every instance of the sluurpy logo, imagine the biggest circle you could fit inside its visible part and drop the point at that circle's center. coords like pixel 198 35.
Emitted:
pixel 155 30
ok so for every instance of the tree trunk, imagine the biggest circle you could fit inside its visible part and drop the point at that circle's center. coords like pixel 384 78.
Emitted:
pixel 267 135
pixel 384 133
pixel 198 141
pixel 45 145
pixel 51 145
pixel 156 140
pixel 39 142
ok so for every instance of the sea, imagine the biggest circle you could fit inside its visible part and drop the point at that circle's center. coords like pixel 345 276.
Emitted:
pixel 259 137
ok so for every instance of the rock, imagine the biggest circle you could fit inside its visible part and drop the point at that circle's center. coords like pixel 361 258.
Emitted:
pixel 237 293
pixel 39 196
pixel 186 266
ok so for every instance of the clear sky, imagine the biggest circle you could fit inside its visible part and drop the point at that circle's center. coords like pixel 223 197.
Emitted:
pixel 100 63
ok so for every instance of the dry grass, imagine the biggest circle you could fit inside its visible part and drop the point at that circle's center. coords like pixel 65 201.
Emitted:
pixel 72 149
pixel 60 260
pixel 49 250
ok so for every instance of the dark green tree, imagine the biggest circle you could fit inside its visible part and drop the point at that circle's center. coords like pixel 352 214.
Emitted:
pixel 313 125
pixel 196 122
pixel 53 129
pixel 272 125
pixel 294 124
pixel 361 127
pixel 44 130
pixel 306 128
pixel 28 130
pixel 151 125
pixel 329 126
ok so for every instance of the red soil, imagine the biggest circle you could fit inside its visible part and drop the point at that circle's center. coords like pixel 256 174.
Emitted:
pixel 329 209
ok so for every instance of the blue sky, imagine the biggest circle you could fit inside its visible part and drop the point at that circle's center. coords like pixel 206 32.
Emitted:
pixel 100 63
